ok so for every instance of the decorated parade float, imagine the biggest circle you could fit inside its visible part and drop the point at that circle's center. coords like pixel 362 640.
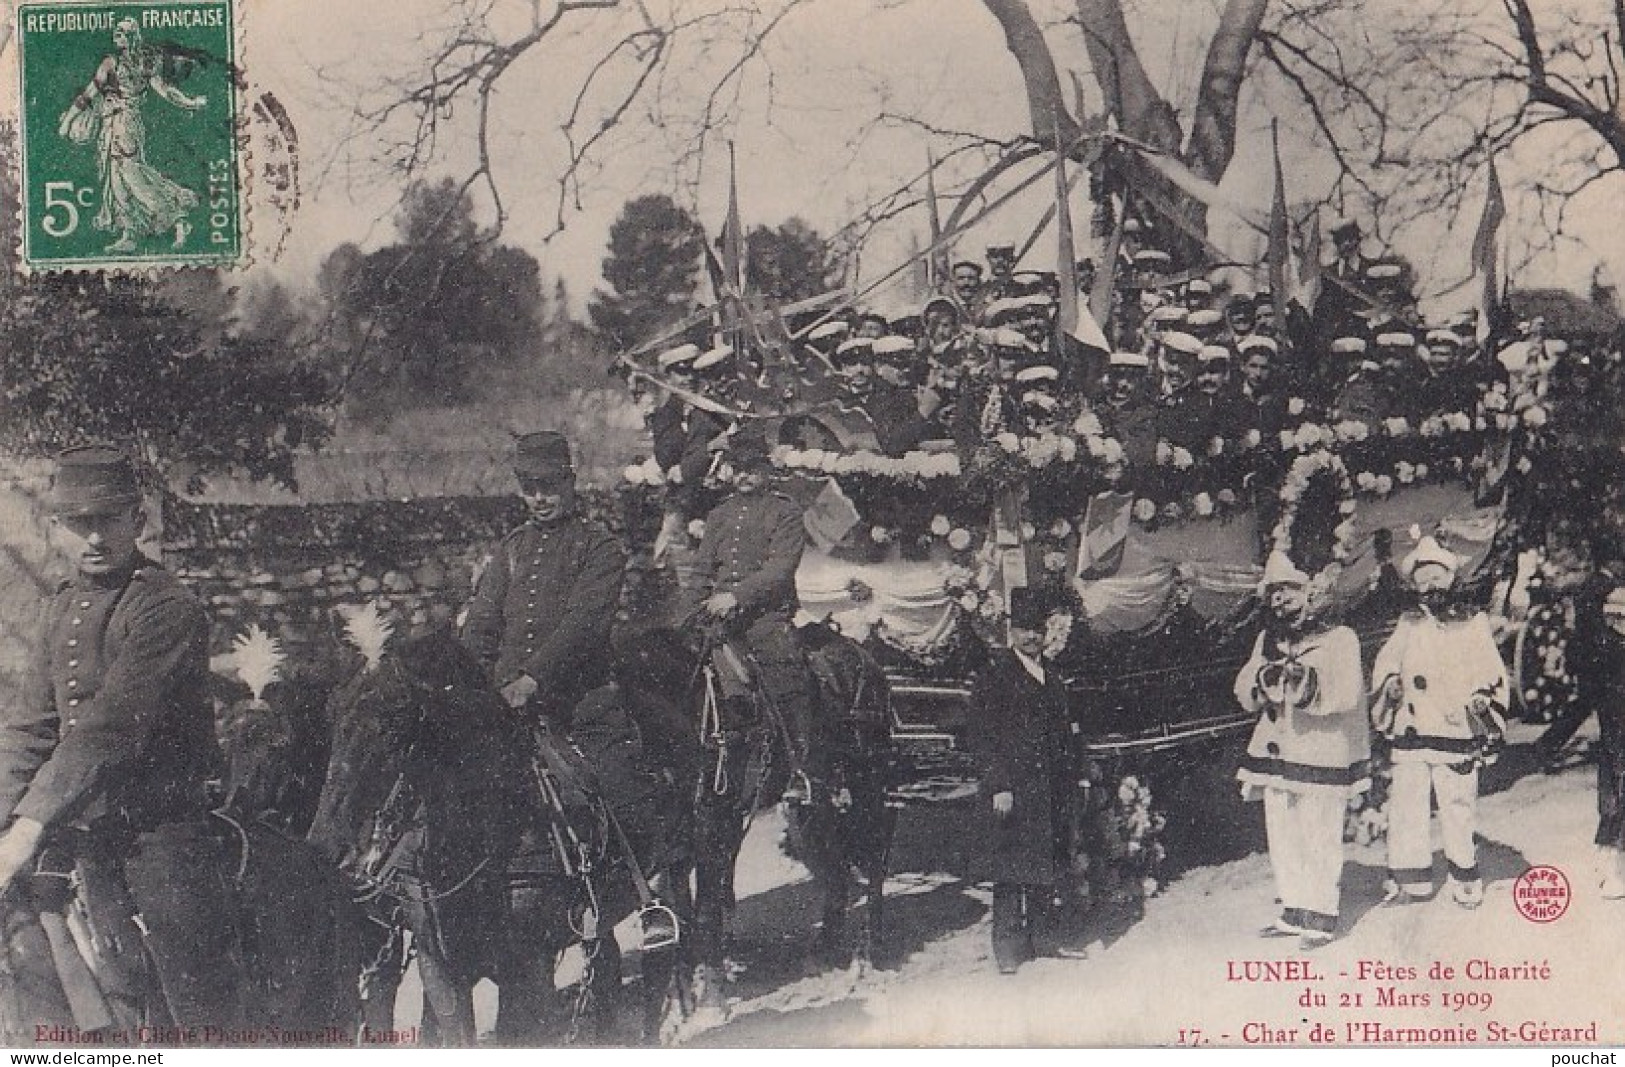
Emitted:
pixel 1149 552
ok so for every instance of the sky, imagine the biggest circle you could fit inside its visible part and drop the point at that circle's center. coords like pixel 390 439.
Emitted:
pixel 836 66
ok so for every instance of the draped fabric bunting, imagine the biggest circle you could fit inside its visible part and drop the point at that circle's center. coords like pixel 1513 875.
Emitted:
pixel 1206 564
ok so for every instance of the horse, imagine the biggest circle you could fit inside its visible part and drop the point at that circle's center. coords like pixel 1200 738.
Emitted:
pixel 846 829
pixel 266 900
pixel 485 836
pixel 742 765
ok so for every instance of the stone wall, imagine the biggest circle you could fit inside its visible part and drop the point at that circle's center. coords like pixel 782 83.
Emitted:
pixel 287 567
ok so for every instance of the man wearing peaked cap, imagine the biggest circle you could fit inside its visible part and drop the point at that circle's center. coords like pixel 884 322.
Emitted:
pixel 103 771
pixel 827 335
pixel 1263 399
pixel 679 431
pixel 1198 294
pixel 1176 360
pixel 1205 323
pixel 1309 752
pixel 1021 732
pixel 1363 391
pixel 892 402
pixel 540 616
pixel 744 593
pixel 1240 316
pixel 1442 693
pixel 539 622
pixel 1129 411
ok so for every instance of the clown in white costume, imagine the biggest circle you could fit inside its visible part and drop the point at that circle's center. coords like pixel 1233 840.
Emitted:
pixel 1441 696
pixel 1309 752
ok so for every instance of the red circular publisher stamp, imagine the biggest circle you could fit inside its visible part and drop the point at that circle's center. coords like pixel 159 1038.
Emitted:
pixel 1542 894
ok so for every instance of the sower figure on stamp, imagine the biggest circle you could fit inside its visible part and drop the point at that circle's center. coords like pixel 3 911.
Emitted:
pixel 1021 730
pixel 745 585
pixel 136 200
pixel 539 620
pixel 1309 752
pixel 102 777
pixel 1440 698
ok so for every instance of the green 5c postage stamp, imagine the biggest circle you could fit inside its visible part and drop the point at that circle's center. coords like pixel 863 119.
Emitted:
pixel 129 134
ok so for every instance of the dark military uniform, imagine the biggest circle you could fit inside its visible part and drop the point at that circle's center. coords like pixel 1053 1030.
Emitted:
pixel 110 756
pixel 682 436
pixel 544 607
pixel 751 548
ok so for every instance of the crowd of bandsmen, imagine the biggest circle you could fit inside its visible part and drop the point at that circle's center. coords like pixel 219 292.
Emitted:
pixel 1191 368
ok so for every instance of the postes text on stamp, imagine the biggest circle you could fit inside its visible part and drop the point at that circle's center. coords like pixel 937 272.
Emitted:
pixel 129 134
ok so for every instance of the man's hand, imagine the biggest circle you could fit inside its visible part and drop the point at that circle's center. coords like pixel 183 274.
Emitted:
pixel 519 691
pixel 1004 803
pixel 721 605
pixel 1392 690
pixel 17 848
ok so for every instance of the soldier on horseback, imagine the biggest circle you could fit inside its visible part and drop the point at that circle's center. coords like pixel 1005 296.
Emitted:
pixel 102 796
pixel 745 586
pixel 541 615
pixel 540 620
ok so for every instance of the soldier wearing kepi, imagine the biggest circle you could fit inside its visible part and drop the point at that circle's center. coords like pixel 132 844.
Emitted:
pixel 1309 752
pixel 102 776
pixel 1441 694
pixel 540 620
pixel 746 586
pixel 541 614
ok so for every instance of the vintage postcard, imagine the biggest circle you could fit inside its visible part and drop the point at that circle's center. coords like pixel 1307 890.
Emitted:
pixel 856 523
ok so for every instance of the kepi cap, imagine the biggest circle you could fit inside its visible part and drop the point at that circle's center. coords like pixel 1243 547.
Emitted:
pixel 543 455
pixel 93 480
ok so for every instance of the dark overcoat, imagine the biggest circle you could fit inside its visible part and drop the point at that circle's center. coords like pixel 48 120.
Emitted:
pixel 1021 734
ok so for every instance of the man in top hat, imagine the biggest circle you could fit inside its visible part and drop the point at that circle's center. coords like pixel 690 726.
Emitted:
pixel 745 588
pixel 1348 264
pixel 1309 752
pixel 1441 697
pixel 102 774
pixel 540 616
pixel 1021 730
pixel 1346 290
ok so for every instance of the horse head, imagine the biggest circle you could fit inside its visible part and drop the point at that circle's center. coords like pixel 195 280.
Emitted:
pixel 276 756
pixel 418 732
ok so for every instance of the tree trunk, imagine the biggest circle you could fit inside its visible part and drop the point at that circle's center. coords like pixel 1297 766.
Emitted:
pixel 1141 111
pixel 1026 42
pixel 1213 128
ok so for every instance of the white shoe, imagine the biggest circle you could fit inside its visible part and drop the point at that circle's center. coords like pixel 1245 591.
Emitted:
pixel 1467 894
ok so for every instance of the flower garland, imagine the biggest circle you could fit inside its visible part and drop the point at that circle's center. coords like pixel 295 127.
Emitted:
pixel 1303 470
pixel 909 466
